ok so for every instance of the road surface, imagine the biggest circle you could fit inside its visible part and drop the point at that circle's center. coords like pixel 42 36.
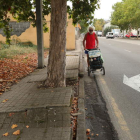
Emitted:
pixel 121 57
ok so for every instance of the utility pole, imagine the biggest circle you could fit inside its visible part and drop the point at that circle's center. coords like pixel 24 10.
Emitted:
pixel 40 41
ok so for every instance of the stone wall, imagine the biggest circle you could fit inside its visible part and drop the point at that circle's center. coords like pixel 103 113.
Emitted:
pixel 17 28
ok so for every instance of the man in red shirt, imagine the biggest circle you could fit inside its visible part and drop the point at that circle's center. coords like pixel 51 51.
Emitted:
pixel 91 41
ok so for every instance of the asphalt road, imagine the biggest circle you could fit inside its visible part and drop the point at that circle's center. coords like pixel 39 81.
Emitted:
pixel 121 57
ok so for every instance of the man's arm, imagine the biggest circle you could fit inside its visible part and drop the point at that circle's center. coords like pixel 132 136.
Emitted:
pixel 96 38
pixel 84 42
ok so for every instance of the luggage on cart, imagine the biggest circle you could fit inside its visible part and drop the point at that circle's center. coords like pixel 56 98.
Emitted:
pixel 95 61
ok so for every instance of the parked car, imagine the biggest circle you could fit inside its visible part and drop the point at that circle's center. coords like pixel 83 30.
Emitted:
pixel 110 35
pixel 116 34
pixel 121 35
pixel 99 33
pixel 131 34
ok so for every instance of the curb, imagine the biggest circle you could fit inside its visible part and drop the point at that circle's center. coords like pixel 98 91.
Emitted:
pixel 81 130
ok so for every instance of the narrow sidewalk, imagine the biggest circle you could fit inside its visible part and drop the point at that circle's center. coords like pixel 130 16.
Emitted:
pixel 40 114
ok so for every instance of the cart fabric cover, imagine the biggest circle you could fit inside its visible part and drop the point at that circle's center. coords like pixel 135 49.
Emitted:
pixel 95 53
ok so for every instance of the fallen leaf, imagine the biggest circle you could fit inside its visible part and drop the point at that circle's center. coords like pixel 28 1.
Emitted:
pixel 4 100
pixel 26 113
pixel 0 93
pixel 92 134
pixel 10 114
pixel 88 138
pixel 97 134
pixel 85 108
pixel 6 134
pixel 88 131
pixel 16 132
pixel 27 126
pixel 14 126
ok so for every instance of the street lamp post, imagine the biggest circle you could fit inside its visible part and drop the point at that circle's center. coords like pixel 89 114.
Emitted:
pixel 40 42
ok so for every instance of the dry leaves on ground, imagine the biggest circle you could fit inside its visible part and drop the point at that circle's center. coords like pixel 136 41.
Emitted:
pixel 5 100
pixel 27 126
pixel 14 126
pixel 88 131
pixel 74 118
pixel 6 134
pixel 10 114
pixel 12 70
pixel 16 132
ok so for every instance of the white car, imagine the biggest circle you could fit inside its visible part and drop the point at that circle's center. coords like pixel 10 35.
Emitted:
pixel 110 35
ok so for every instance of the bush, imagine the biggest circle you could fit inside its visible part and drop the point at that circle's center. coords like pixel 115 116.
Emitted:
pixel 4 46
pixel 16 50
pixel 26 44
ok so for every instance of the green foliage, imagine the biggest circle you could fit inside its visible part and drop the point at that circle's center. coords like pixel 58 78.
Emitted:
pixel 108 29
pixel 83 10
pixel 3 46
pixel 98 24
pixel 83 26
pixel 26 44
pixel 16 50
pixel 24 10
pixel 126 14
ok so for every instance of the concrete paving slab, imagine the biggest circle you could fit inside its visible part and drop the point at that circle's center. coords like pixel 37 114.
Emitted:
pixel 36 98
pixel 72 62
pixel 40 127
pixel 40 71
pixel 76 53
pixel 72 73
pixel 47 112
pixel 38 78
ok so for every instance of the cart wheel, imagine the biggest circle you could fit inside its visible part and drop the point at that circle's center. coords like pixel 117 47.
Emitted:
pixel 103 69
pixel 89 71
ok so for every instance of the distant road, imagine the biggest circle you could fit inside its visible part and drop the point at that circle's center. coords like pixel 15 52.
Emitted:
pixel 125 40
pixel 121 57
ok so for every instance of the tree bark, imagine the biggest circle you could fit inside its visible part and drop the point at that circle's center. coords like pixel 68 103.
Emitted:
pixel 56 70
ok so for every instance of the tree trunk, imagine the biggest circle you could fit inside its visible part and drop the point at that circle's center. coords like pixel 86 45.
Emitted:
pixel 56 74
pixel 137 33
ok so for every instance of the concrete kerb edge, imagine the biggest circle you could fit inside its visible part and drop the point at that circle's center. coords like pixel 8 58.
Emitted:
pixel 81 130
pixel 81 68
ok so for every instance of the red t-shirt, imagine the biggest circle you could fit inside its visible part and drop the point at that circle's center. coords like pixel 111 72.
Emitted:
pixel 90 41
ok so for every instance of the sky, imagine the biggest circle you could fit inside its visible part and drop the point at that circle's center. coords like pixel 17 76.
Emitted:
pixel 105 9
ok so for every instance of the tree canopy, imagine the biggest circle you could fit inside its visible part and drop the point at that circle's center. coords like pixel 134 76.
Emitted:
pixel 98 24
pixel 24 10
pixel 126 14
pixel 83 26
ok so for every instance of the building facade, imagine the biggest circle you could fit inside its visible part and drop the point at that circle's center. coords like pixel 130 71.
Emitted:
pixel 25 32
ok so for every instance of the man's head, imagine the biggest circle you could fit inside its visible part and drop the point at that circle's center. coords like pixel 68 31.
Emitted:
pixel 91 29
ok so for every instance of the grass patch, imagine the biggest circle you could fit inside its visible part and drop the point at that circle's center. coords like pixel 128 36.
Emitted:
pixel 16 50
